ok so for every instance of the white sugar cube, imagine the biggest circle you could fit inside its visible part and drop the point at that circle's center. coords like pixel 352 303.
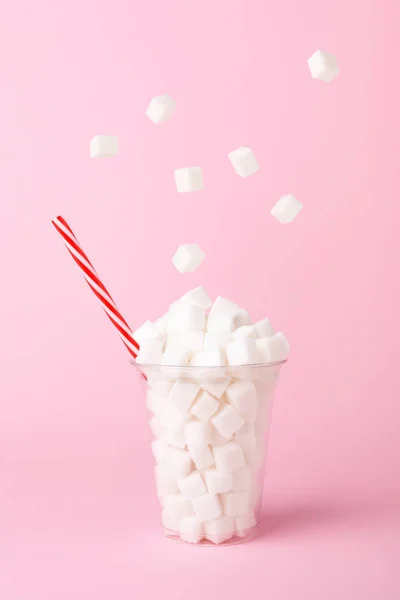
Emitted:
pixel 177 462
pixel 216 339
pixel 246 331
pixel 223 307
pixel 184 316
pixel 189 179
pixel 242 395
pixel 157 429
pixel 199 297
pixel 242 480
pixel 216 387
pixel 286 209
pixel 191 530
pixel 221 324
pixel 217 439
pixel 219 530
pixel 197 434
pixel 263 346
pixel 155 403
pixel 202 456
pixel 175 356
pixel 192 340
pixel 161 109
pixel 209 358
pixel 182 394
pixel 229 457
pixel 323 66
pixel 150 352
pixel 161 323
pixel 102 146
pixel 246 437
pixel 255 458
pixel 264 328
pixel 159 448
pixel 227 421
pixel 147 332
pixel 244 162
pixel 243 352
pixel 175 437
pixel 274 348
pixel 188 258
pixel 207 507
pixel 235 503
pixel 204 406
pixel 170 520
pixel 244 522
pixel 165 483
pixel 218 482
pixel 192 485
pixel 178 505
pixel 173 419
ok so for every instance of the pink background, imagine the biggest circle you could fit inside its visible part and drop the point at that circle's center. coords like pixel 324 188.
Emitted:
pixel 78 514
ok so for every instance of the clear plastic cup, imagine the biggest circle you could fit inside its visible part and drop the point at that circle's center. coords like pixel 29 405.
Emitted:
pixel 209 484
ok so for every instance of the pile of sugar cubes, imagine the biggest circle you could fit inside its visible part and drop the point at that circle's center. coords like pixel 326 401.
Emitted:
pixel 209 425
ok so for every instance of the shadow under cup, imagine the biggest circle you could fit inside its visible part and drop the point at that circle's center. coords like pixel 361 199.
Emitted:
pixel 210 427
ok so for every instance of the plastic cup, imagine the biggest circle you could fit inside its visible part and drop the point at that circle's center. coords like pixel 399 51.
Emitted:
pixel 233 500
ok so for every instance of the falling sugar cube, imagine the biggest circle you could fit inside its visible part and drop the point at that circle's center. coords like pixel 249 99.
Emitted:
pixel 244 162
pixel 161 109
pixel 102 146
pixel 286 209
pixel 323 66
pixel 189 179
pixel 188 258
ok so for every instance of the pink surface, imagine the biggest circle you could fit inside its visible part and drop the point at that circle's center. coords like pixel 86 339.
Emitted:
pixel 78 516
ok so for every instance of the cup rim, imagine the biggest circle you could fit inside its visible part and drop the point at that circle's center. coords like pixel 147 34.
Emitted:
pixel 194 368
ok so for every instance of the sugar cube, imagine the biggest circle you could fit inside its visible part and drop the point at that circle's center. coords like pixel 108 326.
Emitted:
pixel 182 394
pixel 177 462
pixel 189 179
pixel 219 530
pixel 188 258
pixel 227 421
pixel 191 530
pixel 243 352
pixel 216 387
pixel 264 328
pixel 207 507
pixel 245 331
pixel 197 433
pixel 204 406
pixel 177 504
pixel 241 480
pixel 244 162
pixel 202 456
pixel 192 485
pixel 184 316
pixel 229 457
pixel 246 437
pixel 242 395
pixel 165 483
pixel 170 520
pixel 323 66
pixel 199 297
pixel 244 522
pixel 235 503
pixel 102 146
pixel 161 109
pixel 286 209
pixel 218 482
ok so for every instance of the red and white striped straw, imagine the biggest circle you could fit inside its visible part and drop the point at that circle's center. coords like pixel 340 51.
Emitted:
pixel 96 285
